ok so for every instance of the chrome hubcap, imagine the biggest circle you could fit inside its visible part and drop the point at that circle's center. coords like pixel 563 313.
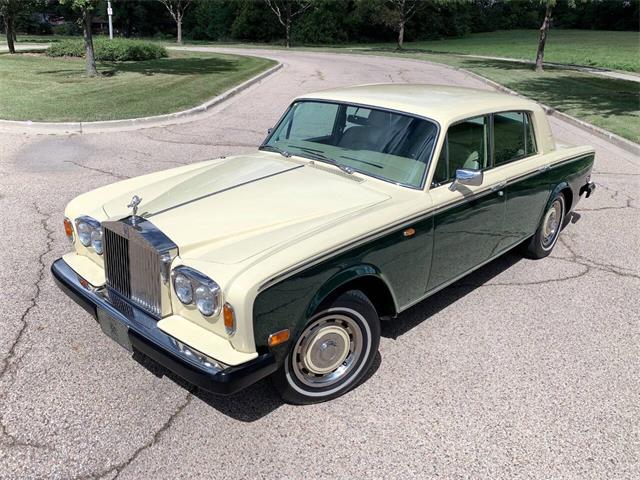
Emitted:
pixel 551 224
pixel 327 350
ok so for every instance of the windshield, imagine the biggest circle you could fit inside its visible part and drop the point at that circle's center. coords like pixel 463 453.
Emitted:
pixel 383 144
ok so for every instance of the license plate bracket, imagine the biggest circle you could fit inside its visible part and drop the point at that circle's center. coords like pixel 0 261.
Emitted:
pixel 114 329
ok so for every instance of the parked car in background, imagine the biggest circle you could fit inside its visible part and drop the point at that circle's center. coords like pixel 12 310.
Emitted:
pixel 360 203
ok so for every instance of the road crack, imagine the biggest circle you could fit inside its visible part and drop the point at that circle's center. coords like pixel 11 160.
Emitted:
pixel 104 172
pixel 11 361
pixel 119 468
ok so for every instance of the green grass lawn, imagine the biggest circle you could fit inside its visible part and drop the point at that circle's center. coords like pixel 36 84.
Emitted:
pixel 606 102
pixel 614 50
pixel 39 88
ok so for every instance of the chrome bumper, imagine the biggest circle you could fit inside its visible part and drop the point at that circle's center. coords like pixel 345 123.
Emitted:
pixel 146 338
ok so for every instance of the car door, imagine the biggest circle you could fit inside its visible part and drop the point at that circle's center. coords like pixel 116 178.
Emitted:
pixel 469 222
pixel 516 154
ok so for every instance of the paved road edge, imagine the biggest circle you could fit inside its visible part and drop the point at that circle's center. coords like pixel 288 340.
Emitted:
pixel 17 126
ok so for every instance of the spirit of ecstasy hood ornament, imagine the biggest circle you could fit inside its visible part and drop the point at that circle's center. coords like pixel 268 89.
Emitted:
pixel 135 201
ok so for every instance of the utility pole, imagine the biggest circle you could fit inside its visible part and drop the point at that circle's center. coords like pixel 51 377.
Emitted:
pixel 110 13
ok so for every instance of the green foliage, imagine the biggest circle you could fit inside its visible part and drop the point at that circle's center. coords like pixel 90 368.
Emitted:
pixel 116 50
pixel 67 29
pixel 80 5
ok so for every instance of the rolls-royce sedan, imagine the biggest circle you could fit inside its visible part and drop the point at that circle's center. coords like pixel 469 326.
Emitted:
pixel 361 202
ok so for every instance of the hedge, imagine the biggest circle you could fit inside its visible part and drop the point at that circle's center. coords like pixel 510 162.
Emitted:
pixel 116 50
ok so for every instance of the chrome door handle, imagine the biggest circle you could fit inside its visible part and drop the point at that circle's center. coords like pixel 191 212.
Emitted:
pixel 499 186
pixel 543 168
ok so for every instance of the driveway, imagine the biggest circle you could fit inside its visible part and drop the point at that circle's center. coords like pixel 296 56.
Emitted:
pixel 525 369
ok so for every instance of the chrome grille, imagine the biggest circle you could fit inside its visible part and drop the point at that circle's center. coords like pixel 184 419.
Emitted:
pixel 116 262
pixel 137 258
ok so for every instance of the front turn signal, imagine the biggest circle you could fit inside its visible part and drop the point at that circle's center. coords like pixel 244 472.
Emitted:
pixel 278 338
pixel 229 318
pixel 68 229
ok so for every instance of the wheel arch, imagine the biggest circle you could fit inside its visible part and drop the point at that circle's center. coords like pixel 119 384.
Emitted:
pixel 366 278
pixel 564 188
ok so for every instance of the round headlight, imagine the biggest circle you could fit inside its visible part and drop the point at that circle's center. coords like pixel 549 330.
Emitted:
pixel 96 241
pixel 84 233
pixel 206 300
pixel 182 286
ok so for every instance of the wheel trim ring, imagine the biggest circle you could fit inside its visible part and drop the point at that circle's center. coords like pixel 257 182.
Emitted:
pixel 304 372
pixel 359 366
pixel 552 224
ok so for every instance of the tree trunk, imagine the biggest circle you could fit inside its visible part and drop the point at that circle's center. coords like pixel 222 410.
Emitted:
pixel 401 35
pixel 91 69
pixel 8 27
pixel 544 30
pixel 287 35
pixel 179 27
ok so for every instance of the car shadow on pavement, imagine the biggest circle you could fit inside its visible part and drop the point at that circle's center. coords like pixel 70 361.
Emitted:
pixel 248 405
pixel 430 306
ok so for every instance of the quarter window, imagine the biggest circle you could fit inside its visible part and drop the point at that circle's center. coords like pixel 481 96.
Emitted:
pixel 465 146
pixel 513 137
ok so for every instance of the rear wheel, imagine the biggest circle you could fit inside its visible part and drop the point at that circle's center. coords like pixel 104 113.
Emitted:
pixel 334 351
pixel 545 238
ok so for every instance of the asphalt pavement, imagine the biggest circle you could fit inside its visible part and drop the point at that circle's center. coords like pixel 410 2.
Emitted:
pixel 525 369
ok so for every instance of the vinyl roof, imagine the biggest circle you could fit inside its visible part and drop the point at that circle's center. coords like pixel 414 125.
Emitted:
pixel 437 102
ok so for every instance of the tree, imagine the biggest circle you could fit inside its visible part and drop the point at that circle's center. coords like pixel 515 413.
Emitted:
pixel 286 11
pixel 86 8
pixel 544 29
pixel 9 10
pixel 397 13
pixel 177 9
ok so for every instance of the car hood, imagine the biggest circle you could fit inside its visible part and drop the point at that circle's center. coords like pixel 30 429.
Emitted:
pixel 232 209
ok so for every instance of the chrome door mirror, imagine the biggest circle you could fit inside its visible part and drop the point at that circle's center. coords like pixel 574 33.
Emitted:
pixel 466 176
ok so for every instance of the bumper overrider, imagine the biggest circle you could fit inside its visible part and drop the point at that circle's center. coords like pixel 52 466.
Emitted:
pixel 588 188
pixel 137 331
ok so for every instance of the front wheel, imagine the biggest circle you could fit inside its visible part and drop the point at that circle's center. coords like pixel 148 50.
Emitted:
pixel 334 351
pixel 545 238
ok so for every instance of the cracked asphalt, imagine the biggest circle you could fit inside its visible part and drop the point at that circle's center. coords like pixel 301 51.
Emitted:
pixel 525 369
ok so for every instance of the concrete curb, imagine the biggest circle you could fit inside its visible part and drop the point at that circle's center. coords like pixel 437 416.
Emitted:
pixel 617 140
pixel 61 128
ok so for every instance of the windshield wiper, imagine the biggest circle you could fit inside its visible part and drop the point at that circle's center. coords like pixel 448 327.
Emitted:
pixel 310 153
pixel 361 161
pixel 273 148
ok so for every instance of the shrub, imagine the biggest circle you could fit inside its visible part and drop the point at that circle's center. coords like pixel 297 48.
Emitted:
pixel 116 50
pixel 66 48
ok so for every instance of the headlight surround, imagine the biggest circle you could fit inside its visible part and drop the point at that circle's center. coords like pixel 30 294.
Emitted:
pixel 89 229
pixel 192 287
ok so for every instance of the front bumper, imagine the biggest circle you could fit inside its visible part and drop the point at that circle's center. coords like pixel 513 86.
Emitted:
pixel 145 337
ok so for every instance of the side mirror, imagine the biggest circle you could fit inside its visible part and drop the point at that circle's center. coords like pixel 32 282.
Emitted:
pixel 466 176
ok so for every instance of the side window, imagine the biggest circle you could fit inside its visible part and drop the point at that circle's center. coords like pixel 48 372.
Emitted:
pixel 465 146
pixel 312 120
pixel 513 137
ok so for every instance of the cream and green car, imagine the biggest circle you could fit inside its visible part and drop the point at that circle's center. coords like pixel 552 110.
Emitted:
pixel 361 202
